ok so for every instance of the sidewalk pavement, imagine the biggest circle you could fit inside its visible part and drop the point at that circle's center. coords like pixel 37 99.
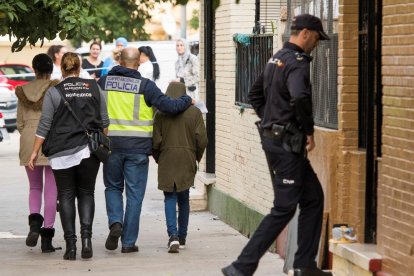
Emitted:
pixel 211 244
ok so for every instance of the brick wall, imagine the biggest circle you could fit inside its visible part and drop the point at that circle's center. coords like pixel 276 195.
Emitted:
pixel 396 187
pixel 347 192
pixel 241 169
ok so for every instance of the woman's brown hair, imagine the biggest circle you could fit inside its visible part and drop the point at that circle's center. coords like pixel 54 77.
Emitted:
pixel 95 43
pixel 53 50
pixel 70 64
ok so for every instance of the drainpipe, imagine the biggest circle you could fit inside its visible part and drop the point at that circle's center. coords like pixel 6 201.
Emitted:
pixel 209 57
pixel 183 21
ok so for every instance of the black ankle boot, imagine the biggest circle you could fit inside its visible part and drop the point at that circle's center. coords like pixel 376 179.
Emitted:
pixel 70 253
pixel 87 251
pixel 35 222
pixel 47 235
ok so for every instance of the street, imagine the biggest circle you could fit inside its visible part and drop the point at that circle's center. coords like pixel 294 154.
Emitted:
pixel 211 244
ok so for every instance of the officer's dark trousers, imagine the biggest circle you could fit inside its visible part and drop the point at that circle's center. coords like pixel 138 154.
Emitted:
pixel 295 183
pixel 77 182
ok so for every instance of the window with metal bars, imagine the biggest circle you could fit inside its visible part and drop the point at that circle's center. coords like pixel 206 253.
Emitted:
pixel 252 54
pixel 269 14
pixel 324 67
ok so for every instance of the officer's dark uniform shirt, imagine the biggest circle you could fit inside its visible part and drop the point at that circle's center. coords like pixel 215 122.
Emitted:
pixel 282 93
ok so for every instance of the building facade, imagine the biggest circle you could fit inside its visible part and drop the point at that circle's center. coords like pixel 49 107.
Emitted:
pixel 364 156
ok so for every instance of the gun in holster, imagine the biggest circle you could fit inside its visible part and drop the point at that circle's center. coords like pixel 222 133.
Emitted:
pixel 292 138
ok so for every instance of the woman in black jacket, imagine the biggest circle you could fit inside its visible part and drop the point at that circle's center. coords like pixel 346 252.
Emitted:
pixel 65 143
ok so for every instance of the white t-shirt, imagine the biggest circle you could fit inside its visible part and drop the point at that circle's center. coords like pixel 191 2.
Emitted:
pixel 69 161
pixel 84 74
pixel 146 70
pixel 56 74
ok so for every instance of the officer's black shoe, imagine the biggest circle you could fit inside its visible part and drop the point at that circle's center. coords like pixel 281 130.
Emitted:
pixel 310 272
pixel 230 270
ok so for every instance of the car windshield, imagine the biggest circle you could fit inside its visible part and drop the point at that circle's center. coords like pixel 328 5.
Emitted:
pixel 17 69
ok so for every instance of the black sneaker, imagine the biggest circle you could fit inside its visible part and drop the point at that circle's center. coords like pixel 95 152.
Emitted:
pixel 113 237
pixel 173 244
pixel 230 270
pixel 182 242
pixel 129 249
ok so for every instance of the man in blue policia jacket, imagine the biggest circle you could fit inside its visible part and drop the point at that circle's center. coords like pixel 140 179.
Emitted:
pixel 130 99
pixel 281 97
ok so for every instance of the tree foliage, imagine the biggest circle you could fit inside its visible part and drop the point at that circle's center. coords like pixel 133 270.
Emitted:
pixel 195 19
pixel 126 18
pixel 33 20
pixel 29 21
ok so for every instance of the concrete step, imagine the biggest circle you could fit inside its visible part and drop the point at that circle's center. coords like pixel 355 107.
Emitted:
pixel 355 259
pixel 198 193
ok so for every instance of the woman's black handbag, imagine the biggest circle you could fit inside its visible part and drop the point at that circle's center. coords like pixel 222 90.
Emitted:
pixel 99 144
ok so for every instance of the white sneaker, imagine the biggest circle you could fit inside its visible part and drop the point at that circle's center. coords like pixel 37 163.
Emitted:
pixel 173 244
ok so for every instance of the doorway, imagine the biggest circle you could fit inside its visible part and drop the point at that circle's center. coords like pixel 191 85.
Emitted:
pixel 370 105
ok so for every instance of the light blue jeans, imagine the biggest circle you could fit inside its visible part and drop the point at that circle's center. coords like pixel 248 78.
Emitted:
pixel 131 169
pixel 170 202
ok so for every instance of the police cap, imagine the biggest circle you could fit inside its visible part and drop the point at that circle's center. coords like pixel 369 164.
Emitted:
pixel 310 22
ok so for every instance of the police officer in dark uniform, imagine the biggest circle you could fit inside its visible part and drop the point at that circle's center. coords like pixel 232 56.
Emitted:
pixel 282 98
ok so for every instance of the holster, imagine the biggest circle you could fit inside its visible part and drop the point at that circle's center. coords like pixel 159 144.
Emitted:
pixel 290 136
pixel 295 138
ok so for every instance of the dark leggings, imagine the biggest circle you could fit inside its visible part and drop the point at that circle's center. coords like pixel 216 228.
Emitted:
pixel 77 182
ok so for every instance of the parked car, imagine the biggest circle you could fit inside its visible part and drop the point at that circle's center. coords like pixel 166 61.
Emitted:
pixel 8 107
pixel 2 123
pixel 15 74
pixel 2 126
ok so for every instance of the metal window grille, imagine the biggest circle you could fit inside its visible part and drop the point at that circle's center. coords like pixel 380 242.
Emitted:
pixel 251 58
pixel 324 68
pixel 325 82
pixel 270 11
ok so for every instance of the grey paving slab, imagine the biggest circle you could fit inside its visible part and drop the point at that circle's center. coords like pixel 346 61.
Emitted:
pixel 211 244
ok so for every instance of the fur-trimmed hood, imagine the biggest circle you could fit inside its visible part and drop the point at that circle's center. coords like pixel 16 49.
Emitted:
pixel 31 94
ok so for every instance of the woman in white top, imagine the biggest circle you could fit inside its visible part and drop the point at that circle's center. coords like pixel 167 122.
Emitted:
pixel 55 52
pixel 148 65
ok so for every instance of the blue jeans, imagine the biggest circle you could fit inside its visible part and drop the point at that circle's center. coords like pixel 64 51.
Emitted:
pixel 170 202
pixel 131 169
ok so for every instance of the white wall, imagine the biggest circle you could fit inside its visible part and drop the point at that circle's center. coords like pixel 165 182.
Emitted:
pixel 241 168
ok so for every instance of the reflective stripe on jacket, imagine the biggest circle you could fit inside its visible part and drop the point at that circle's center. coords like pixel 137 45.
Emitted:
pixel 128 112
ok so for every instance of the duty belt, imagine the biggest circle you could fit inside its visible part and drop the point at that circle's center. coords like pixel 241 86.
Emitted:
pixel 276 132
pixel 269 133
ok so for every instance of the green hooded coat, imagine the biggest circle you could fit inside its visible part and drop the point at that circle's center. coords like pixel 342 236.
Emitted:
pixel 178 143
